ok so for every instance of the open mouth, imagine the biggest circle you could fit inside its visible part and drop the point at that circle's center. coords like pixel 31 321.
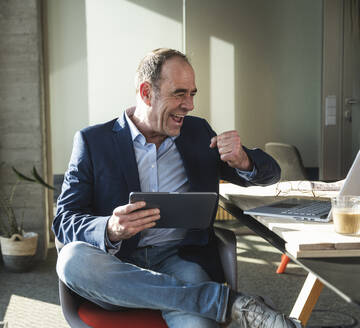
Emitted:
pixel 178 118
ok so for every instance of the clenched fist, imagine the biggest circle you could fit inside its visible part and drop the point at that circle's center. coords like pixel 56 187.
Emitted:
pixel 231 150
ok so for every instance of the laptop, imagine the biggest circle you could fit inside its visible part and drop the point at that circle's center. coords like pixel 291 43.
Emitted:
pixel 307 209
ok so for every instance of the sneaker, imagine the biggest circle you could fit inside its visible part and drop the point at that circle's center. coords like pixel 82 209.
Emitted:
pixel 252 312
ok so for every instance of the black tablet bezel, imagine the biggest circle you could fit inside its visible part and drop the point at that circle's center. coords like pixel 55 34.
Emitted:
pixel 189 210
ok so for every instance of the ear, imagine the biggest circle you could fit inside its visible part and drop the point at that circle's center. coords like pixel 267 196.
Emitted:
pixel 145 92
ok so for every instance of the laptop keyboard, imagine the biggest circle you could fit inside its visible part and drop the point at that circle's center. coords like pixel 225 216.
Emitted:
pixel 315 208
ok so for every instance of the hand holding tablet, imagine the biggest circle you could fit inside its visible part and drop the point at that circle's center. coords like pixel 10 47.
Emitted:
pixel 127 220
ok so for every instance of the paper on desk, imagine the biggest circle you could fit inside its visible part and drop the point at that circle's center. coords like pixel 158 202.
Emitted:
pixel 284 188
pixel 308 186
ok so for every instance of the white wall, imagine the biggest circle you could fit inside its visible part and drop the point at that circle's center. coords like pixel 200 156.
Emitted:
pixel 222 85
pixel 275 48
pixel 119 34
pixel 68 82
pixel 94 49
pixel 257 63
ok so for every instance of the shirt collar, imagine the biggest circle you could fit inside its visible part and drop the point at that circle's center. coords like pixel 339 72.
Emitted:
pixel 136 135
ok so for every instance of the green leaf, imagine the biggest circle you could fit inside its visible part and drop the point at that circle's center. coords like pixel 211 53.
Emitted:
pixel 40 180
pixel 22 176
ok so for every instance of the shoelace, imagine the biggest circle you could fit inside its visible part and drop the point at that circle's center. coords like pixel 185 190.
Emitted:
pixel 260 317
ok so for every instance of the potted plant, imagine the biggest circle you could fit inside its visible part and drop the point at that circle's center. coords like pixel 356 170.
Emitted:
pixel 17 246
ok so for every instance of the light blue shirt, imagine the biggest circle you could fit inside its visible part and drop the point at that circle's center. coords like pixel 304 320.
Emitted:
pixel 161 170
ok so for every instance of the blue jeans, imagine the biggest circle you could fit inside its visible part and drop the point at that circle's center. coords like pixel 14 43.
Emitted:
pixel 153 278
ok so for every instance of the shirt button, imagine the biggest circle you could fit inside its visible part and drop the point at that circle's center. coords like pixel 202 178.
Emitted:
pixel 152 166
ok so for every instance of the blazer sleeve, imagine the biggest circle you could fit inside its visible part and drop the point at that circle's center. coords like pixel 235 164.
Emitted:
pixel 74 220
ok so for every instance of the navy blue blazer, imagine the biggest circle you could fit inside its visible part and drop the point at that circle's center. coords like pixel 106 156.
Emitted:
pixel 103 171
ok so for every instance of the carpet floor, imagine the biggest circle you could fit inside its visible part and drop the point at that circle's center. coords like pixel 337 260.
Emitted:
pixel 30 300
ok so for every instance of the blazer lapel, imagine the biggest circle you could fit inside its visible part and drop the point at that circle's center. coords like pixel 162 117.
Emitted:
pixel 127 160
pixel 128 165
pixel 185 152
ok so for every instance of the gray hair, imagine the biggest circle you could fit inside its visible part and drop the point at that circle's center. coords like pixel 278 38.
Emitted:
pixel 150 66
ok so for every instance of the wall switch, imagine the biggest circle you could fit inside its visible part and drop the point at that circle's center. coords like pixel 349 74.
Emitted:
pixel 330 110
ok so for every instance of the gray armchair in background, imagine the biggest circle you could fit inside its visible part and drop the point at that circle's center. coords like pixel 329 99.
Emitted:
pixel 289 160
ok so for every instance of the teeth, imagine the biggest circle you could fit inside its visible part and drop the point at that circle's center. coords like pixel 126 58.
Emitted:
pixel 178 115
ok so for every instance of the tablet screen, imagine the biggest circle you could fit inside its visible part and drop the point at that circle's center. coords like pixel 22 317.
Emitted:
pixel 190 210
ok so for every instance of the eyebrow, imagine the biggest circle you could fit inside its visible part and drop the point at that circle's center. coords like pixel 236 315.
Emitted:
pixel 185 90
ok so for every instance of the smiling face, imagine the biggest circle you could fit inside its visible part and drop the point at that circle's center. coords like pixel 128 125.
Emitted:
pixel 169 102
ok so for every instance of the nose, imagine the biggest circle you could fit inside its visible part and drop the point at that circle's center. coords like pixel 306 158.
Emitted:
pixel 188 103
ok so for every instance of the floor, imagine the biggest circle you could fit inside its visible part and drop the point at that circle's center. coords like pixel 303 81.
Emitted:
pixel 30 300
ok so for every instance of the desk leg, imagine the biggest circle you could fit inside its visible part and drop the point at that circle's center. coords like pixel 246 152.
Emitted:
pixel 307 299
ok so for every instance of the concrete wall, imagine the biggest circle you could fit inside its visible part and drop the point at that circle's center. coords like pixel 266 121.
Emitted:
pixel 21 110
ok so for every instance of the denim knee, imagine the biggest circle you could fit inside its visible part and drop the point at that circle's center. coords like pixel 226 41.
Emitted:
pixel 74 260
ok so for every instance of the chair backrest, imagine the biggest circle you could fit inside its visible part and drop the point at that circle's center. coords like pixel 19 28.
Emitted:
pixel 289 160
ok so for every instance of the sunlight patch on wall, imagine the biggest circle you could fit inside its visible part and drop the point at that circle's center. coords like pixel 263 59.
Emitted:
pixel 222 85
pixel 119 34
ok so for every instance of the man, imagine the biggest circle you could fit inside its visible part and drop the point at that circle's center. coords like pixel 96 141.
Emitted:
pixel 111 257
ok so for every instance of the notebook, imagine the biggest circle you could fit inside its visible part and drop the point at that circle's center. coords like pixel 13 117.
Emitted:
pixel 307 209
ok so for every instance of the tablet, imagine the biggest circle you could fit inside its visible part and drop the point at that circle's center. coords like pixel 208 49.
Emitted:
pixel 190 210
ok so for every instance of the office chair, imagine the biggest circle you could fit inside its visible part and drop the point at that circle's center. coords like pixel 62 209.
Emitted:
pixel 289 160
pixel 80 313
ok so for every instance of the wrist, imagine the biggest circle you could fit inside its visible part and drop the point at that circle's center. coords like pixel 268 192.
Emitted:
pixel 245 165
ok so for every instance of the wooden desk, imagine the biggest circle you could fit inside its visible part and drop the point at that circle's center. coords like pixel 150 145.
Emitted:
pixel 339 273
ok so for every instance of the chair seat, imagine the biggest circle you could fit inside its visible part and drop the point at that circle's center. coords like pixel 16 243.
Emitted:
pixel 96 317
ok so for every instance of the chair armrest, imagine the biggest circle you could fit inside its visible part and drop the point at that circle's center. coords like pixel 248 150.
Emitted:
pixel 226 242
pixel 70 303
pixel 69 300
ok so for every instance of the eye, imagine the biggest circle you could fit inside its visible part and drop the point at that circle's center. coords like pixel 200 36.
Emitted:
pixel 179 95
